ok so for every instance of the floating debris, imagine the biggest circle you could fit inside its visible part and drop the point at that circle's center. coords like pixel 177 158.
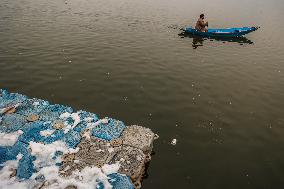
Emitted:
pixel 32 118
pixel 11 110
pixel 116 142
pixel 58 124
pixel 174 142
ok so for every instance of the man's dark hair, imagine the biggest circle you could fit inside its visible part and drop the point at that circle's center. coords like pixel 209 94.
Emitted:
pixel 201 16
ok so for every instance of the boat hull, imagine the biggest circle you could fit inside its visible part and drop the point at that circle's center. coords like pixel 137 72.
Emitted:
pixel 225 32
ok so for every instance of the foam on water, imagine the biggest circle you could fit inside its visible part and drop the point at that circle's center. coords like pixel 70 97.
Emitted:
pixel 9 139
pixel 31 150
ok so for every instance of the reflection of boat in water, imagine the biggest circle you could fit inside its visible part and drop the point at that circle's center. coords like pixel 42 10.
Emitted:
pixel 198 40
pixel 224 32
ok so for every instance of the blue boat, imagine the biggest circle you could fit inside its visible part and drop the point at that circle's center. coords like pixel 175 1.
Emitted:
pixel 226 32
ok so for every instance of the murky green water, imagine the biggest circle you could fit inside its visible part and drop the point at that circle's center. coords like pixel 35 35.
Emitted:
pixel 222 100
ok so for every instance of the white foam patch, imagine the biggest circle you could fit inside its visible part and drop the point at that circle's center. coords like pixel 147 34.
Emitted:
pixel 84 179
pixel 47 132
pixel 44 153
pixel 9 139
pixel 88 119
pixel 36 103
pixel 2 110
pixel 8 182
pixel 73 151
pixel 74 116
pixel 65 115
pixel 87 178
pixel 45 164
pixel 67 129
pixel 110 169
pixel 90 126
pixel 110 150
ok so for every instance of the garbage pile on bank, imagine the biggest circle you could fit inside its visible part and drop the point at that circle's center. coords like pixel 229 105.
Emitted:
pixel 45 145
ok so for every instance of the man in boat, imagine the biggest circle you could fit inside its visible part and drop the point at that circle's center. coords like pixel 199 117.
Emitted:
pixel 201 24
